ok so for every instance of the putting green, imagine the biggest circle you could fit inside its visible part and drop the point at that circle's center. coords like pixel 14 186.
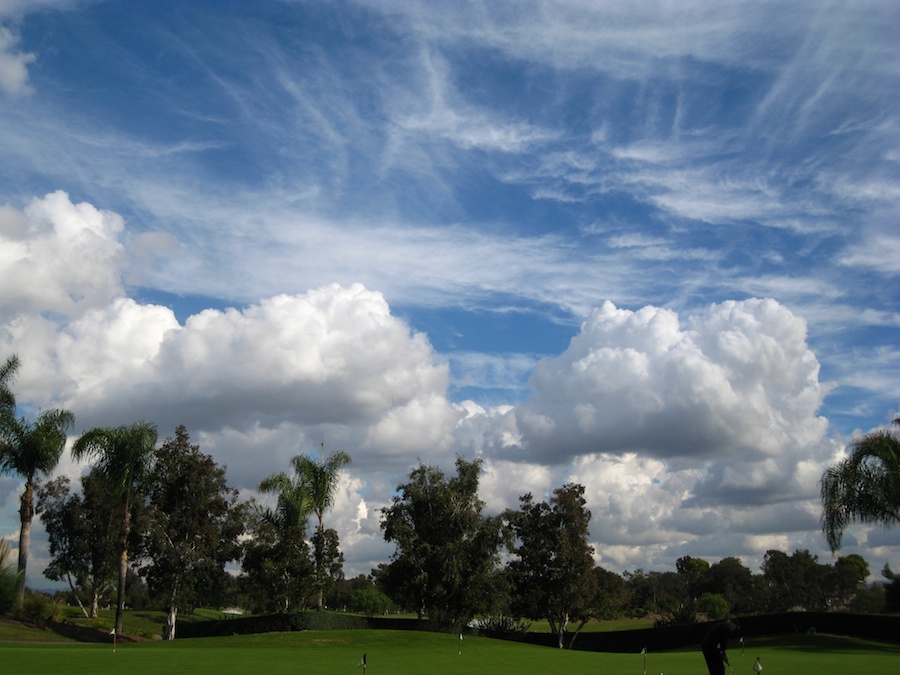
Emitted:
pixel 415 653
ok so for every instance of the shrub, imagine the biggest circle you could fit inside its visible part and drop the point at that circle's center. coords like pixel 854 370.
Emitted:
pixel 684 614
pixel 714 605
pixel 501 624
pixel 369 601
pixel 39 608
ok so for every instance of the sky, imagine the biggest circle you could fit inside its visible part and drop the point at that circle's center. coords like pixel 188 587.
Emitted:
pixel 647 247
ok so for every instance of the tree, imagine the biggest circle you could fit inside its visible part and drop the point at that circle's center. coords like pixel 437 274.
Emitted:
pixel 849 572
pixel 328 562
pixel 735 582
pixel 344 589
pixel 714 606
pixel 31 449
pixel 447 551
pixel 276 556
pixel 611 595
pixel 891 590
pixel 7 373
pixel 796 580
pixel 194 523
pixel 552 573
pixel 692 571
pixel 369 601
pixel 664 593
pixel 82 529
pixel 276 563
pixel 7 578
pixel 864 487
pixel 124 457
pixel 320 478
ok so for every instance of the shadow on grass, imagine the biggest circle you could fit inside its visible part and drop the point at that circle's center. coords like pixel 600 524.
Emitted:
pixel 836 644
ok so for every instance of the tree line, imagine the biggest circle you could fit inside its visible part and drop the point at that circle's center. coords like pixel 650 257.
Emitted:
pixel 160 525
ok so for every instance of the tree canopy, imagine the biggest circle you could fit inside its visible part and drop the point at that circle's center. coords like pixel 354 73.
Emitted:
pixel 193 528
pixel 124 457
pixel 29 449
pixel 864 487
pixel 83 531
pixel 447 551
pixel 319 479
pixel 552 569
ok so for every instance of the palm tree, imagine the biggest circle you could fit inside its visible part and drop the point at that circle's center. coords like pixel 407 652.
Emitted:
pixel 125 457
pixel 320 480
pixel 293 506
pixel 31 450
pixel 7 373
pixel 864 487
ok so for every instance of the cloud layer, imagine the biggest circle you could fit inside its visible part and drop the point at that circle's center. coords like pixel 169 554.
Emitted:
pixel 676 424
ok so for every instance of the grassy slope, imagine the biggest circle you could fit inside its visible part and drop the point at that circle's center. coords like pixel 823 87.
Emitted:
pixel 399 652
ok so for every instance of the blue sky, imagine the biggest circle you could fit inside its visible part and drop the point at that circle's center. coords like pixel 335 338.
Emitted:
pixel 649 248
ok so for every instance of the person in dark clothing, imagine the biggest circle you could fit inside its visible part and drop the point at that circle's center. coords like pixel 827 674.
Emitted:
pixel 714 645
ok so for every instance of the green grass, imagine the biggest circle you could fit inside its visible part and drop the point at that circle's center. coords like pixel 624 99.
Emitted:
pixel 147 624
pixel 597 626
pixel 399 652
pixel 15 631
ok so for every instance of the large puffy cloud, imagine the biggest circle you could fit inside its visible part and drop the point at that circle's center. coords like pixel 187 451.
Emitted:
pixel 330 365
pixel 334 355
pixel 59 257
pixel 254 386
pixel 692 435
pixel 333 360
pixel 737 381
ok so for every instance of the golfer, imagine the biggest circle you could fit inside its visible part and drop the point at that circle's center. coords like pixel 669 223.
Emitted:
pixel 714 645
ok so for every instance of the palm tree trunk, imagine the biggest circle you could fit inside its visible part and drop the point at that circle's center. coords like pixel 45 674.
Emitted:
pixel 123 565
pixel 319 561
pixel 26 512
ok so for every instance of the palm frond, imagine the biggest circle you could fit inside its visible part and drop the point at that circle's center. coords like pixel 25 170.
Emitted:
pixel 864 487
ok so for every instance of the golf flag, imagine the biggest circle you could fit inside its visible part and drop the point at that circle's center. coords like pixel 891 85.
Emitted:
pixel 742 646
pixel 362 662
pixel 757 666
pixel 644 654
pixel 459 651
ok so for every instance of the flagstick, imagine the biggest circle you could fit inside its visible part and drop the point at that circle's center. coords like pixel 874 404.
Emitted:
pixel 459 651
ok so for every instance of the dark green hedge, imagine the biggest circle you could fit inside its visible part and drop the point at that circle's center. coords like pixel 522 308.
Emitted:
pixel 882 628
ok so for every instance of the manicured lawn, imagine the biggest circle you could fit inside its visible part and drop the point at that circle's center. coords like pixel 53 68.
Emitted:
pixel 14 631
pixel 399 652
pixel 597 626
